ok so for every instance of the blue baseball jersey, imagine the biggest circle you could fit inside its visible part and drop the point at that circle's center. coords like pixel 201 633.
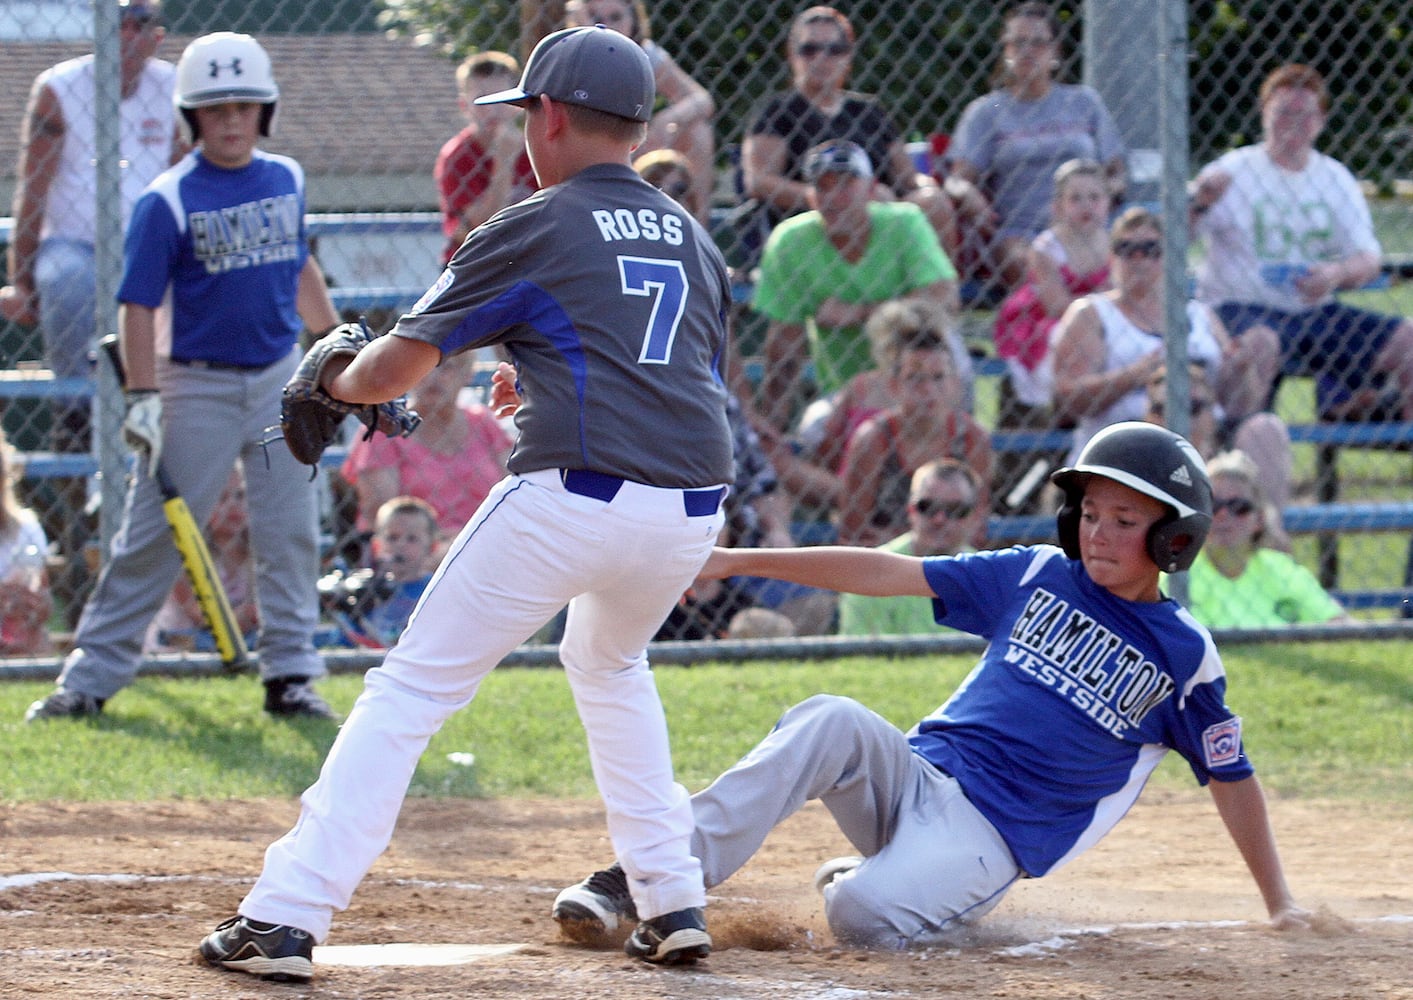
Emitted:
pixel 611 300
pixel 228 246
pixel 1075 701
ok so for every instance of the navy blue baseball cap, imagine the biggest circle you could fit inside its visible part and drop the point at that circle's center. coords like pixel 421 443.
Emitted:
pixel 592 67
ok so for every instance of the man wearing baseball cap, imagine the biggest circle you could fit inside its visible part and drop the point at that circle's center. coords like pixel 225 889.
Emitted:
pixel 609 298
pixel 824 272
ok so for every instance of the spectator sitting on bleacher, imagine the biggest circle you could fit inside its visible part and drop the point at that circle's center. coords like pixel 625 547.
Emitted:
pixel 25 601
pixel 927 422
pixel 1263 436
pixel 824 273
pixel 1108 345
pixel 817 109
pixel 1286 227
pixel 484 167
pixel 945 516
pixel 682 119
pixel 452 460
pixel 1008 144
pixel 1236 581
pixel 180 625
pixel 1068 260
pixel 889 329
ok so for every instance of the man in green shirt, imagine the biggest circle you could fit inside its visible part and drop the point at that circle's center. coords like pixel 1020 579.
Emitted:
pixel 824 272
pixel 945 519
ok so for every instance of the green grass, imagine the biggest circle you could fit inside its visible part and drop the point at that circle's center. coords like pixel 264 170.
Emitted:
pixel 1328 719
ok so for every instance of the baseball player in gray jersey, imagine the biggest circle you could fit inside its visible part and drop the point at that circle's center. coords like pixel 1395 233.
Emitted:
pixel 611 301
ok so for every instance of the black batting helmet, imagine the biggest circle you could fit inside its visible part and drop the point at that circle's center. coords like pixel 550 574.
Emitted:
pixel 1157 463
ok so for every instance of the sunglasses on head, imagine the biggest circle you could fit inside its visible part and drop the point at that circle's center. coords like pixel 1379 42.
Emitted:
pixel 926 506
pixel 1151 249
pixel 812 49
pixel 138 21
pixel 1239 506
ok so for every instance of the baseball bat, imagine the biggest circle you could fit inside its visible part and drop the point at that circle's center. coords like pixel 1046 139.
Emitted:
pixel 196 556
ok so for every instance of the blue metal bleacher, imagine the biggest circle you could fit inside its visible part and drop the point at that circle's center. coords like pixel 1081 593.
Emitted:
pixel 1328 516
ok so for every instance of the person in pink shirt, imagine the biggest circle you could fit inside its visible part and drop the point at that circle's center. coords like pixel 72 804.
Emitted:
pixel 451 461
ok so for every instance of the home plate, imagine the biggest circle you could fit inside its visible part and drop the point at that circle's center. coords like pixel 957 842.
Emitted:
pixel 373 955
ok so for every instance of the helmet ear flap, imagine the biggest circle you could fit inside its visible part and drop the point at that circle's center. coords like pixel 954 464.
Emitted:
pixel 1067 521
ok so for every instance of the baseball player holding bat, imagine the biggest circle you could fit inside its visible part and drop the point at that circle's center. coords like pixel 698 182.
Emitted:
pixel 191 544
pixel 611 300
pixel 218 241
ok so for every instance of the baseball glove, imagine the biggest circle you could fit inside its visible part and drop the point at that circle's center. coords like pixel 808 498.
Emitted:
pixel 310 418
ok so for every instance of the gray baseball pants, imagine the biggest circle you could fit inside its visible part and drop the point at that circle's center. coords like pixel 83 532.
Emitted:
pixel 931 860
pixel 210 418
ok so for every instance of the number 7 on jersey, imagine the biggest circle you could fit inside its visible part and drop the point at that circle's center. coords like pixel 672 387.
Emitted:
pixel 666 279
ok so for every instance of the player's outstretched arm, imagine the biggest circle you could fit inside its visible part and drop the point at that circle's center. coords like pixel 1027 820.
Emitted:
pixel 832 567
pixel 1242 806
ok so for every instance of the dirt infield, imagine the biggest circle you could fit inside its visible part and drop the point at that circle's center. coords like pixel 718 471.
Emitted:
pixel 1161 909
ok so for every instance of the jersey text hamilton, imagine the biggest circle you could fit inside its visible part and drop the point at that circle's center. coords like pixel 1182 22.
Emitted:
pixel 257 232
pixel 1104 676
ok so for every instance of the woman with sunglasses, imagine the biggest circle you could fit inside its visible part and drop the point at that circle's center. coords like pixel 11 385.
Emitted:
pixel 817 108
pixel 1008 144
pixel 1109 344
pixel 1236 580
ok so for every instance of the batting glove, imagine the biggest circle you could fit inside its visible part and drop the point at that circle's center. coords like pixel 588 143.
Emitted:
pixel 142 427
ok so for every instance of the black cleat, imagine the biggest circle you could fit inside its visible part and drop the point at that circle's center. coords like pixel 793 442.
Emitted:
pixel 64 704
pixel 677 938
pixel 270 951
pixel 596 905
pixel 295 696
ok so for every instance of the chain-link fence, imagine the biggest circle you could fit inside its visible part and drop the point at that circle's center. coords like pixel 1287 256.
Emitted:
pixel 966 112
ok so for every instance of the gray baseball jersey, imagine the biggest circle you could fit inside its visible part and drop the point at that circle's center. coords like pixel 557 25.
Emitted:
pixel 611 301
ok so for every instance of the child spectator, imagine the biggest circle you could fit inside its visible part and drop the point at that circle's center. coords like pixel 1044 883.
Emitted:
pixel 484 167
pixel 372 606
pixel 1068 260
pixel 25 601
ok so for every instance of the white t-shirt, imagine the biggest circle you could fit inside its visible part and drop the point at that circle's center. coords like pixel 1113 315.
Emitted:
pixel 145 138
pixel 1126 343
pixel 1271 217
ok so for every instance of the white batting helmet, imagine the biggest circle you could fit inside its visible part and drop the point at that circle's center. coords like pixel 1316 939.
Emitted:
pixel 223 67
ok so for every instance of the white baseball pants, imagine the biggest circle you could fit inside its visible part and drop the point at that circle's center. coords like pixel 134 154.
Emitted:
pixel 532 547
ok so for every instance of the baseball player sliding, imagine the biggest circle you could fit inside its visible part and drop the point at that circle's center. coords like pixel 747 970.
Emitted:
pixel 610 299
